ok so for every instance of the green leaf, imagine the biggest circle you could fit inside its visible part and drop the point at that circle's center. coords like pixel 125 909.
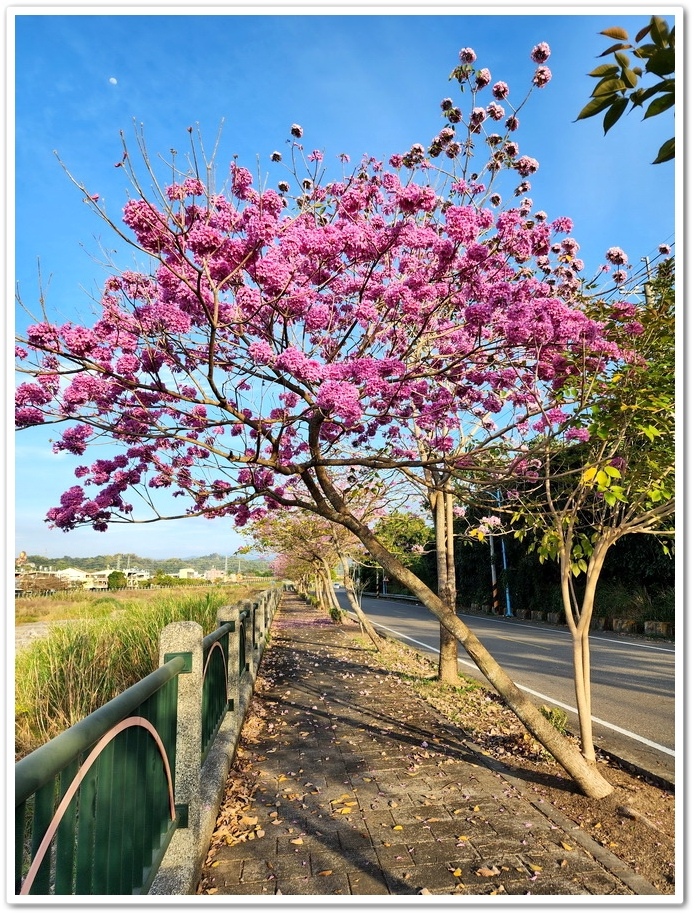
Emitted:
pixel 612 471
pixel 601 479
pixel 637 98
pixel 657 106
pixel 605 70
pixel 659 31
pixel 615 32
pixel 662 86
pixel 650 431
pixel 629 77
pixel 661 63
pixel 665 153
pixel 623 59
pixel 593 107
pixel 614 113
pixel 609 87
pixel 618 493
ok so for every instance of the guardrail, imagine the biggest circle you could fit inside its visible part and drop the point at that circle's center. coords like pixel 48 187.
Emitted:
pixel 125 801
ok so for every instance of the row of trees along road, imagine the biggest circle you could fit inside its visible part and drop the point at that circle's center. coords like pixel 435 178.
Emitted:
pixel 406 325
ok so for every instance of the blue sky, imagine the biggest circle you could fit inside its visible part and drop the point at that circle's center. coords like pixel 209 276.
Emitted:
pixel 356 82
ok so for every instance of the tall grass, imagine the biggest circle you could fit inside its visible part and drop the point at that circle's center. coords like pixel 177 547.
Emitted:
pixel 83 664
pixel 78 604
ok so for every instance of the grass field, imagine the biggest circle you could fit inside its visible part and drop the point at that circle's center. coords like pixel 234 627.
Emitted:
pixel 102 645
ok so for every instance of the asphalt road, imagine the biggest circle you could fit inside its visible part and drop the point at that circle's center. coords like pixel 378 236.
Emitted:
pixel 633 680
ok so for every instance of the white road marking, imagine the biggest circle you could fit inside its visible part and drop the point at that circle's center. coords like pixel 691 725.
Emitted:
pixel 615 641
pixel 541 696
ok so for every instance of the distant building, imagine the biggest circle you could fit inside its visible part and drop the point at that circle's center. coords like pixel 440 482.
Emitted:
pixel 214 575
pixel 97 581
pixel 135 576
pixel 72 577
pixel 188 573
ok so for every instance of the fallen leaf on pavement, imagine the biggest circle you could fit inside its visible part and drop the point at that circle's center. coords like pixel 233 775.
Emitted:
pixel 488 871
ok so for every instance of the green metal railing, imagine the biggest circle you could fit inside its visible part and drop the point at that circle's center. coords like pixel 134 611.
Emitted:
pixel 216 655
pixel 95 806
pixel 243 664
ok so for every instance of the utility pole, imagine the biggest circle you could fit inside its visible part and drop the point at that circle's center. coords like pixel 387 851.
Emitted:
pixel 508 607
pixel 494 578
pixel 647 286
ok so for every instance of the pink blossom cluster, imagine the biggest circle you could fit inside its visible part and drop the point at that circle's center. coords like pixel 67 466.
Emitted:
pixel 376 315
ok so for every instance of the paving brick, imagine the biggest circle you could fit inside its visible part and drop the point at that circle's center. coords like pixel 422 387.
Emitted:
pixel 444 851
pixel 368 881
pixel 321 885
pixel 261 847
pixel 255 889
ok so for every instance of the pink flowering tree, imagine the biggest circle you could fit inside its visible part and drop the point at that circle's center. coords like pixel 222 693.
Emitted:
pixel 397 318
pixel 616 476
pixel 319 546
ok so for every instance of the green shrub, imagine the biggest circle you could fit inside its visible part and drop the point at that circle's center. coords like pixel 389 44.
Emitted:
pixel 615 599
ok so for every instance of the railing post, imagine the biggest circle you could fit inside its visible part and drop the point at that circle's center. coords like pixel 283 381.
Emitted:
pixel 230 614
pixel 185 638
pixel 247 607
pixel 258 638
pixel 264 599
pixel 276 597
pixel 246 678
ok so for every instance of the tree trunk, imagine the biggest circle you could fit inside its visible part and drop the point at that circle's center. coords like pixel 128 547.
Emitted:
pixel 363 620
pixel 585 775
pixel 580 631
pixel 335 609
pixel 448 659
pixel 320 593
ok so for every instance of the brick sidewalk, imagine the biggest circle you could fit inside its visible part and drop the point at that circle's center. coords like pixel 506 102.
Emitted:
pixel 364 789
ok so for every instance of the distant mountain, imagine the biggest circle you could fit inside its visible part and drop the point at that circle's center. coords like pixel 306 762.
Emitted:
pixel 247 565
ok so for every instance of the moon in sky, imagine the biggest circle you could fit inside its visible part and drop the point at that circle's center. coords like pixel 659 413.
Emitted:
pixel 113 80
